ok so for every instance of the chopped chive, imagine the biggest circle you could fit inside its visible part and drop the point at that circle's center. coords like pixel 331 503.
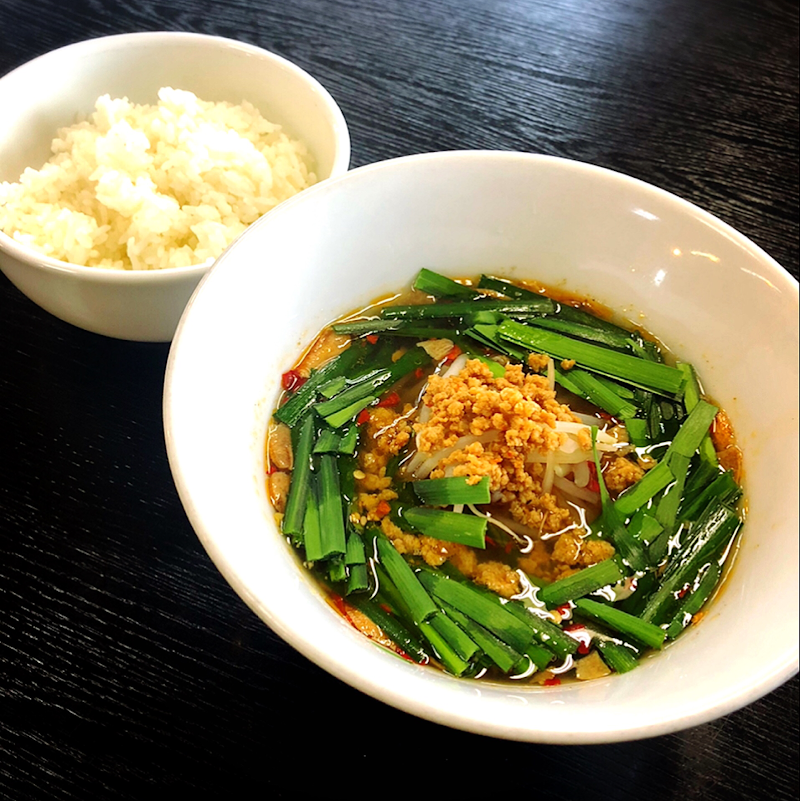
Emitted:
pixel 653 481
pixel 354 552
pixel 694 601
pixel 465 308
pixel 620 658
pixel 620 389
pixel 419 603
pixel 694 428
pixel 392 628
pixel 620 366
pixel 369 384
pixel 445 652
pixel 708 537
pixel 650 529
pixel 506 288
pixel 465 529
pixel 301 474
pixel 539 655
pixel 460 641
pixel 488 336
pixel 332 387
pixel 602 395
pixel 343 416
pixel 723 487
pixel 691 397
pixel 331 516
pixel 581 583
pixel 611 523
pixel 452 490
pixel 311 529
pixel 502 654
pixel 637 432
pixel 357 579
pixel 370 326
pixel 439 286
pixel 327 442
pixel 337 570
pixel 641 630
pixel 667 508
pixel 480 609
pixel 619 339
pixel 298 403
pixel 348 441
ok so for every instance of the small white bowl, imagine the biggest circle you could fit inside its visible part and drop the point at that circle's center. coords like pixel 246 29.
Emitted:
pixel 49 92
pixel 707 291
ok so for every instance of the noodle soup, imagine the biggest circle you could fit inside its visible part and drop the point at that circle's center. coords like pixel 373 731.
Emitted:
pixel 499 481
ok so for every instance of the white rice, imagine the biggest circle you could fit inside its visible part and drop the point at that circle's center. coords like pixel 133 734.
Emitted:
pixel 139 187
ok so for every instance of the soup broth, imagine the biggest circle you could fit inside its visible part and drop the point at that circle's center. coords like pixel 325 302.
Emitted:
pixel 498 480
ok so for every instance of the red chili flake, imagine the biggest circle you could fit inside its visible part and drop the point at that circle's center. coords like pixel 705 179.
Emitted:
pixel 454 353
pixel 372 338
pixel 386 608
pixel 579 633
pixel 594 484
pixel 683 592
pixel 418 373
pixel 363 417
pixel 271 469
pixel 383 509
pixel 392 399
pixel 291 380
pixel 552 682
pixel 563 609
pixel 490 542
pixel 509 546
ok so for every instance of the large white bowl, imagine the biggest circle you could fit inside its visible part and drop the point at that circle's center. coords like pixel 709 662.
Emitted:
pixel 711 294
pixel 49 92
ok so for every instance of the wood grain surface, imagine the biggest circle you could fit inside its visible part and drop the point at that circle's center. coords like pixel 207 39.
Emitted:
pixel 127 664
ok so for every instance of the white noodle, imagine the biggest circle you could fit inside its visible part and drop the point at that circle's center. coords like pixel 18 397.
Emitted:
pixel 570 488
pixel 582 475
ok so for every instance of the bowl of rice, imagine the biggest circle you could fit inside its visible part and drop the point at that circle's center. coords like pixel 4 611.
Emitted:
pixel 129 163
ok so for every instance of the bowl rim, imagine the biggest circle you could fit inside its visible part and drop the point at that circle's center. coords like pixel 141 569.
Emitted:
pixel 42 261
pixel 764 680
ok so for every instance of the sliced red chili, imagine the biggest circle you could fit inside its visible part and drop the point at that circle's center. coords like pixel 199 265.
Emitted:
pixel 291 380
pixel 363 417
pixel 453 354
pixel 372 338
pixel 553 682
pixel 594 484
pixel 392 399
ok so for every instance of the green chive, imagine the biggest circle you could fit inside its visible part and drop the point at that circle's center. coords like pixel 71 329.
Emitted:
pixel 635 627
pixel 452 490
pixel 465 529
pixel 620 366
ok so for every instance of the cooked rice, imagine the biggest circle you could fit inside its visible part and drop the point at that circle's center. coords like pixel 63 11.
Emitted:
pixel 140 187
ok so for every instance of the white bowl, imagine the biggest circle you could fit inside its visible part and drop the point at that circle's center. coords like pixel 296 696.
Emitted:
pixel 49 92
pixel 711 294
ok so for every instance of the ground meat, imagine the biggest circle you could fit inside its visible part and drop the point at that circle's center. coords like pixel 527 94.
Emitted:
pixel 279 448
pixel 621 473
pixel 278 486
pixel 538 362
pixel 514 415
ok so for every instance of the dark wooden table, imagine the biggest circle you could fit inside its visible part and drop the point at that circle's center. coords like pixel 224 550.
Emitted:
pixel 126 662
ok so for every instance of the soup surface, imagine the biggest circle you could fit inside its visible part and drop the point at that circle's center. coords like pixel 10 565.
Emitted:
pixel 498 480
